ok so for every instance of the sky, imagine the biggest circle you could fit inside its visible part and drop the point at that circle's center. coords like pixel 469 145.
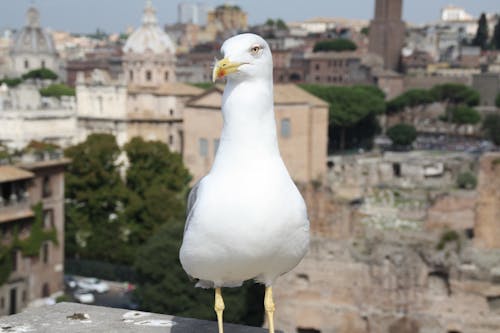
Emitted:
pixel 116 15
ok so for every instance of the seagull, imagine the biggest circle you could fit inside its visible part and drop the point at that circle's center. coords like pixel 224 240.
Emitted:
pixel 246 219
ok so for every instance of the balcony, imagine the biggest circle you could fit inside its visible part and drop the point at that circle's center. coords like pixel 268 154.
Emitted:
pixel 73 317
pixel 15 209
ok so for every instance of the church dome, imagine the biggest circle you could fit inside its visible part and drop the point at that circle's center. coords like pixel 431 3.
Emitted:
pixel 32 38
pixel 149 36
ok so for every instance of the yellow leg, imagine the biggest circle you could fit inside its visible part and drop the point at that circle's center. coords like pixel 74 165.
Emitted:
pixel 269 306
pixel 219 308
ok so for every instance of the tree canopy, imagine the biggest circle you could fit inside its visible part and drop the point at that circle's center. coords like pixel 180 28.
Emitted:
pixel 57 90
pixel 491 128
pixel 348 106
pixel 481 38
pixel 96 226
pixel 41 74
pixel 11 82
pixel 108 219
pixel 463 115
pixel 455 93
pixel 410 98
pixel 402 134
pixel 497 100
pixel 495 39
pixel 335 45
pixel 159 181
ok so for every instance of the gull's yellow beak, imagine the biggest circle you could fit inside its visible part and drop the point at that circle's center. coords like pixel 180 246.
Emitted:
pixel 224 67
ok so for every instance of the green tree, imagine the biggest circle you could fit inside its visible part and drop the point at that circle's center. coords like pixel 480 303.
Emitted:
pixel 410 98
pixel 402 134
pixel 463 115
pixel 466 180
pixel 453 95
pixel 347 107
pixel 281 25
pixel 11 82
pixel 335 45
pixel 270 22
pixel 491 128
pixel 495 40
pixel 40 74
pixel 497 100
pixel 481 38
pixel 163 286
pixel 57 90
pixel 96 226
pixel 159 181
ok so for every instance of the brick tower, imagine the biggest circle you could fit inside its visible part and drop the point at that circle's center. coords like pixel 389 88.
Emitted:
pixel 387 32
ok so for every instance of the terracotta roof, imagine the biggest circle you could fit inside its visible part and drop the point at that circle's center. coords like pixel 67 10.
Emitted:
pixel 292 94
pixel 283 94
pixel 9 173
pixel 170 88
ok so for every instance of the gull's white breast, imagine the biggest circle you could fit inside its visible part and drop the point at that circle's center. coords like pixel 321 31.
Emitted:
pixel 249 221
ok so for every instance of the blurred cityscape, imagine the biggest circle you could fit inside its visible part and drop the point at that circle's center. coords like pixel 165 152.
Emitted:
pixel 390 130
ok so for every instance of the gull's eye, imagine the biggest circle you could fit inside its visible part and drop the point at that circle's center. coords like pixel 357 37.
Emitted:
pixel 255 49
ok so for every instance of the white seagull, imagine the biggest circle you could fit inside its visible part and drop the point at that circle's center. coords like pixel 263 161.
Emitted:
pixel 246 218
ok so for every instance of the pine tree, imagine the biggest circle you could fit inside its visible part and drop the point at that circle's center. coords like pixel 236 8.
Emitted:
pixel 481 38
pixel 495 41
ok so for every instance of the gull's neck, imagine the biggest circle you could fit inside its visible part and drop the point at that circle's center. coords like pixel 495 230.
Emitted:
pixel 249 123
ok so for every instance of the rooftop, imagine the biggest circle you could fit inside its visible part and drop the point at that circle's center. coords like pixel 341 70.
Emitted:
pixel 73 318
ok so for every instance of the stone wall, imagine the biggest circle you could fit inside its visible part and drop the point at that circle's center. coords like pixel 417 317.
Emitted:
pixel 375 268
pixel 487 226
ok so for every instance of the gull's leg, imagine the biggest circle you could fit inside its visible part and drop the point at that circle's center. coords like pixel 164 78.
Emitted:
pixel 219 308
pixel 269 306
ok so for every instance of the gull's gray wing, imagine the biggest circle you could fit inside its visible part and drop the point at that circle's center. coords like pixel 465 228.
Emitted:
pixel 193 195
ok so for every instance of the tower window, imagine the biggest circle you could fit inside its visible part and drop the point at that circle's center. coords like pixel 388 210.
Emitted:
pixel 131 75
pixel 170 139
pixel 166 76
pixel 43 63
pixel 149 75
pixel 26 64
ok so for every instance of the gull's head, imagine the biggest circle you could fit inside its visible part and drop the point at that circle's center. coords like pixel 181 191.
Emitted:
pixel 246 56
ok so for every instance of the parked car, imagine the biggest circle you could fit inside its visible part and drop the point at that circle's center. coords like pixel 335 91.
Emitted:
pixel 84 296
pixel 93 284
pixel 70 281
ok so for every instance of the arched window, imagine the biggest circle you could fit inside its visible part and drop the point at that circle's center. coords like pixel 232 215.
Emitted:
pixel 26 63
pixel 131 75
pixel 149 75
pixel 166 76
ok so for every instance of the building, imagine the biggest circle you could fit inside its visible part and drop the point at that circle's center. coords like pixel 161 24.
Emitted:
pixel 149 53
pixel 387 32
pixel 30 275
pixel 488 86
pixel 192 13
pixel 228 19
pixel 33 48
pixel 302 124
pixel 338 68
pixel 453 13
pixel 25 116
pixel 108 59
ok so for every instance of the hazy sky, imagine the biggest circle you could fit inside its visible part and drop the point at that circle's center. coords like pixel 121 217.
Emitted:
pixel 116 15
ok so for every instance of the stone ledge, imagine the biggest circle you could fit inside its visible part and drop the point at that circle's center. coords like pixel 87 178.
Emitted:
pixel 79 318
